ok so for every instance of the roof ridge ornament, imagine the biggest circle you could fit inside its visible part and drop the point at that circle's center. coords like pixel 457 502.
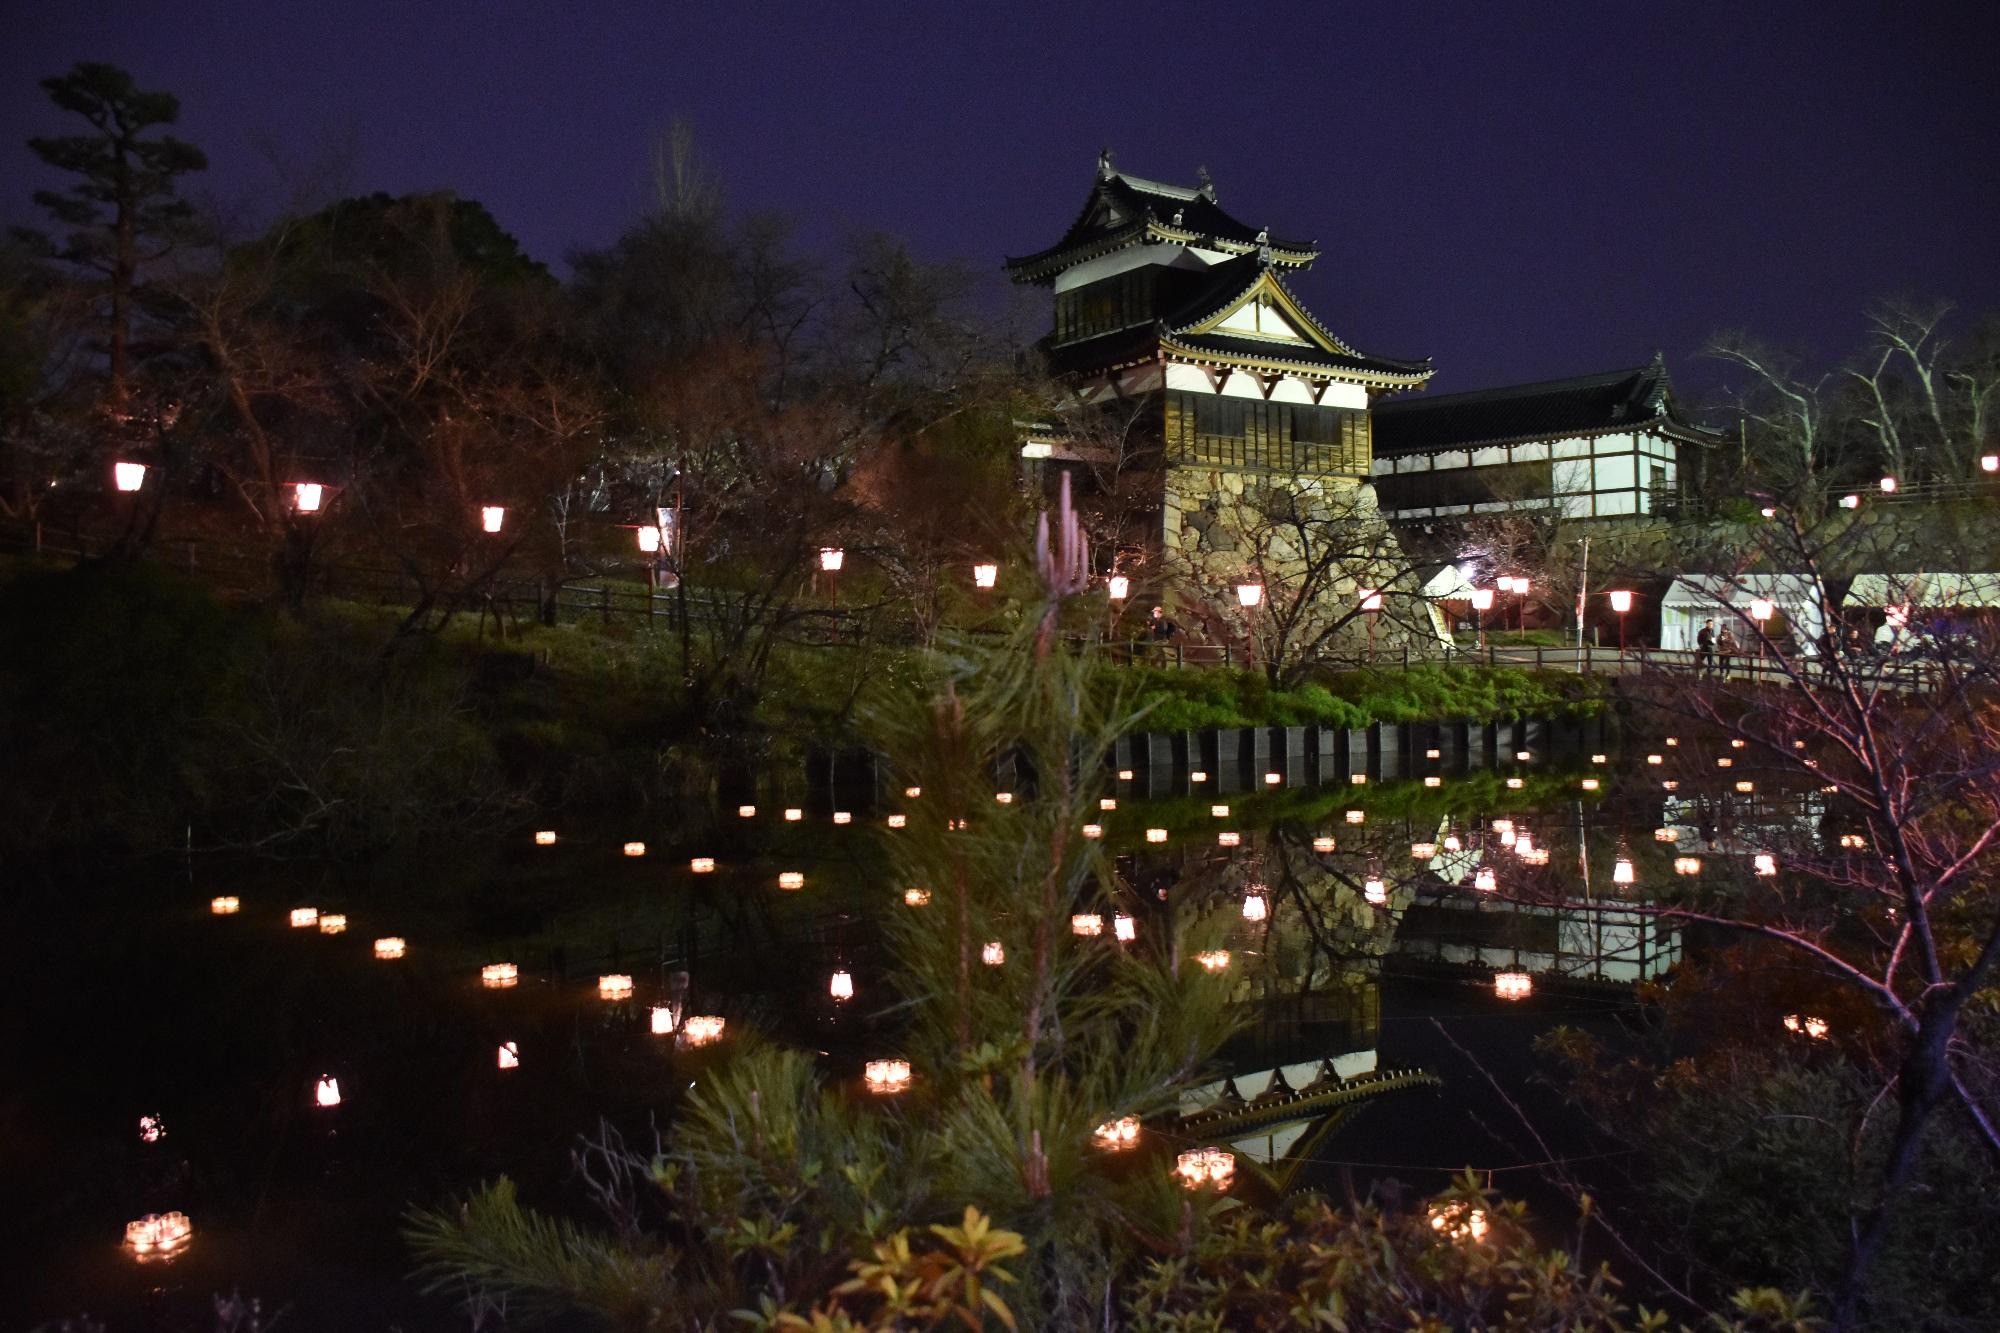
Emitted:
pixel 1105 171
pixel 1207 190
pixel 1264 247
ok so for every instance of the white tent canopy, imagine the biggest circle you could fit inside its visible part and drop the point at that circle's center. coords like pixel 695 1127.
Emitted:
pixel 1931 591
pixel 1448 583
pixel 1726 599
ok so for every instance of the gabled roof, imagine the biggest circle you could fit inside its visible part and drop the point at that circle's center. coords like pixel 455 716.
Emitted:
pixel 1124 210
pixel 1579 405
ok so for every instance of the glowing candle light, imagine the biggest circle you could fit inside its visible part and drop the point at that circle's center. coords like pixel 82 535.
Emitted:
pixel 1118 586
pixel 1687 865
pixel 831 558
pixel 793 814
pixel 499 976
pixel 1093 830
pixel 885 1078
pixel 326 1092
pixel 545 838
pixel 1374 890
pixel 898 821
pixel 1485 880
pixel 1214 960
pixel 1198 775
pixel 1219 811
pixel 663 1018
pixel 1229 839
pixel 746 812
pixel 702 1030
pixel 1156 835
pixel 614 986
pixel 1107 803
pixel 228 905
pixel 1513 985
pixel 332 923
pixel 1118 1135
pixel 1323 843
pixel 1204 1168
pixel 1433 780
pixel 1124 928
pixel 843 817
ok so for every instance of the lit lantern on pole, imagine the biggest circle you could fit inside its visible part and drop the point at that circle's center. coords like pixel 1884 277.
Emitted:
pixel 1687 865
pixel 1213 960
pixel 702 865
pixel 985 575
pixel 1482 602
pixel 1989 462
pixel 499 976
pixel 1766 864
pixel 885 1078
pixel 702 1030
pixel 1621 602
pixel 1357 779
pixel 1375 891
pixel 1124 929
pixel 1198 775
pixel 1622 871
pixel 1254 907
pixel 128 477
pixel 843 817
pixel 1590 784
pixel 831 558
pixel 993 953
pixel 307 496
pixel 545 838
pixel 1666 834
pixel 614 986
pixel 1656 759
pixel 510 1055
pixel 791 880
pixel 1124 775
pixel 326 1092
pixel 841 985
pixel 1599 759
pixel 1120 1135
pixel 1107 803
pixel 746 812
pixel 1746 787
pixel 228 905
pixel 1371 600
pixel 389 946
pixel 1003 798
pixel 1888 485
pixel 1323 843
pixel 1423 851
pixel 1485 880
pixel 1086 924
pixel 793 814
pixel 1205 1168
pixel 1513 985
pixel 1273 779
pixel 912 793
pixel 649 540
pixel 1356 816
pixel 1229 839
pixel 492 517
pixel 1249 595
pixel 1850 502
pixel 898 821
pixel 1119 587
pixel 1433 780
pixel 304 917
pixel 1218 811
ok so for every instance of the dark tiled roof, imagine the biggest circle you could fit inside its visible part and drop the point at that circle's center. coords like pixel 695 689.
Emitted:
pixel 1123 210
pixel 1582 404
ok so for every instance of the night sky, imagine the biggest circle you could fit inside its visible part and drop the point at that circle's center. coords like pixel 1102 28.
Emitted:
pixel 1519 191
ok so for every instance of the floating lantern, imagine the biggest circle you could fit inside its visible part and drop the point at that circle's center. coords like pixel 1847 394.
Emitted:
pixel 1119 587
pixel 1124 929
pixel 1124 775
pixel 843 817
pixel 1254 907
pixel 1273 779
pixel 746 812
pixel 916 897
pixel 1003 797
pixel 1229 839
pixel 885 1078
pixel 1323 843
pixel 1766 864
pixel 1198 776
pixel 1093 830
pixel 499 976
pixel 1590 784
pixel 985 576
pixel 1219 811
pixel 1597 759
pixel 158 1236
pixel 1204 1168
pixel 635 849
pixel 1433 754
pixel 303 917
pixel 1514 784
pixel 614 986
pixel 326 1092
pixel 1458 1221
pixel 898 821
pixel 912 793
pixel 1423 851
pixel 1118 1135
pixel 1087 924
pixel 1214 960
pixel 1107 803
pixel 128 477
pixel 307 495
pixel 491 517
pixel 1656 759
pixel 333 923
pixel 1357 816
pixel 791 879
pixel 993 953
pixel 1622 872
pixel 1249 594
pixel 1746 787
pixel 1687 865
pixel 1433 780
pixel 663 1019
pixel 831 558
pixel 1357 779
pixel 545 838
pixel 841 985
pixel 389 946
pixel 702 1030
pixel 510 1055
pixel 1156 835
pixel 1485 880
pixel 1513 985
pixel 1374 890
pixel 793 814
pixel 224 906
pixel 702 865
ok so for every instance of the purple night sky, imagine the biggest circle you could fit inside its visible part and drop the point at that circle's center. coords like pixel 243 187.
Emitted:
pixel 1518 190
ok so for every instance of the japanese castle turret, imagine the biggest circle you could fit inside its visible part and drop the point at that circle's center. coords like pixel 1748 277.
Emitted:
pixel 1203 388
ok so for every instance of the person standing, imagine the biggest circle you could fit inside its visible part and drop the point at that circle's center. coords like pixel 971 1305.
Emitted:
pixel 1704 647
pixel 1725 648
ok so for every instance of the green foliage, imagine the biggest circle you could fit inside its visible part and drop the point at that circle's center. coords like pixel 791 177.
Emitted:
pixel 1193 700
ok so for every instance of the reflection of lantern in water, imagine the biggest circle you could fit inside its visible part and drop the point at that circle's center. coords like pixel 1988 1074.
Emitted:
pixel 746 812
pixel 224 906
pixel 1687 865
pixel 1198 776
pixel 635 849
pixel 664 1019
pixel 614 986
pixel 1117 1135
pixel 1088 924
pixel 1202 1168
pixel 1124 928
pixel 327 1091
pixel 1458 1220
pixel 1374 890
pixel 1513 985
pixel 1484 880
pixel 1219 811
pixel 545 838
pixel 702 865
pixel 898 821
pixel 841 985
pixel 1228 839
pixel 158 1236
pixel 1215 960
pixel 702 1030
pixel 1766 864
pixel 1423 851
pixel 1356 816
pixel 1156 835
pixel 886 1077
pixel 791 879
pixel 1093 830
pixel 304 916
pixel 993 953
pixel 1254 907
pixel 333 923
pixel 498 976
pixel 510 1055
pixel 389 946
pixel 1622 872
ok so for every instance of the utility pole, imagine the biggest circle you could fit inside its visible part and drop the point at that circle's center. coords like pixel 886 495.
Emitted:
pixel 1582 594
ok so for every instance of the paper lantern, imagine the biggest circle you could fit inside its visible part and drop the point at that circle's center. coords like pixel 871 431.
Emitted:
pixel 649 540
pixel 1357 816
pixel 1621 600
pixel 791 880
pixel 831 558
pixel 227 905
pixel 1433 754
pixel 1673 741
pixel 1670 785
pixel 128 477
pixel 614 986
pixel 1107 803
pixel 1254 907
pixel 1453 843
pixel 326 1092
pixel 1513 985
pixel 1249 594
pixel 1118 586
pixel 499 976
pixel 307 495
pixel 1273 779
pixel 1374 890
pixel 332 923
pixel 1622 872
pixel 1003 798
pixel 1766 864
pixel 510 1055
pixel 1989 462
pixel 1205 1168
pixel 702 865
pixel 1323 843
pixel 1423 851
pixel 1370 599
pixel 1597 759
pixel 1124 929
pixel 1589 784
pixel 1433 781
pixel 1229 839
pixel 1124 775
pixel 1738 743
pixel 1656 759
pixel 389 946
pixel 1687 865
pixel 1850 502
pixel 303 917
pixel 663 1018
pixel 1357 779
pixel 1514 784
pixel 1093 830
pixel 916 897
pixel 1746 787
pixel 898 821
pixel 885 1078
pixel 1888 485
pixel 985 576
pixel 1482 599
pixel 1485 880
pixel 1853 841
pixel 1664 834
pixel 1156 835
pixel 702 1030
pixel 492 517
pixel 545 838
pixel 843 817
pixel 1522 756
pixel 635 849
pixel 841 985
pixel 912 793
pixel 1120 1135
pixel 1199 775
pixel 1214 960
pixel 746 812
pixel 1219 811
pixel 1087 924
pixel 993 953
pixel 793 814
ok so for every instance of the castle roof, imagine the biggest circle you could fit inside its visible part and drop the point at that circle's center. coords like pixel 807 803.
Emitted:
pixel 1578 405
